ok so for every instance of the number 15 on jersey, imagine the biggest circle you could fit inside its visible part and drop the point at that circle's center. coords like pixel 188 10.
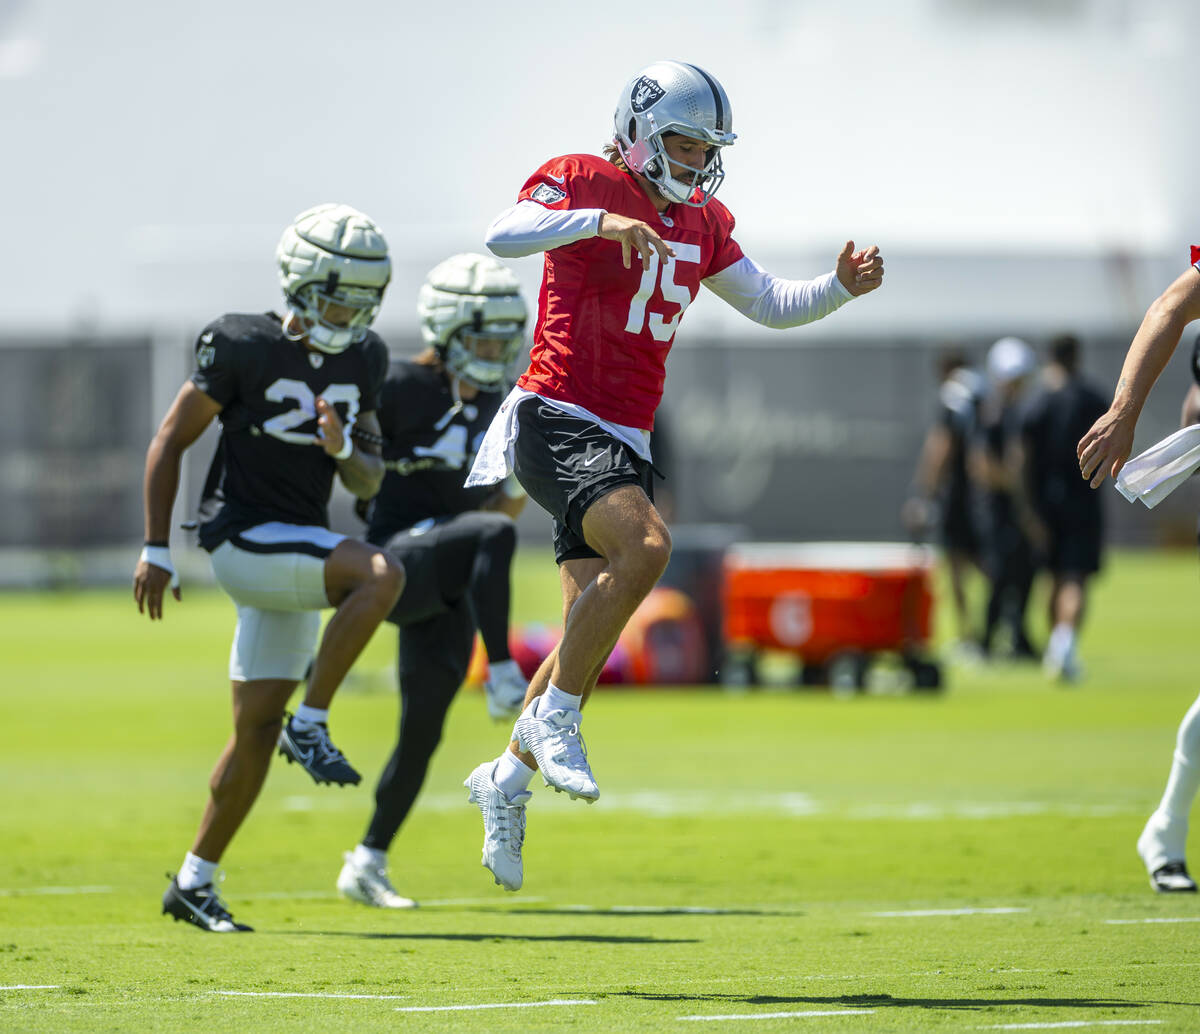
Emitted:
pixel 661 329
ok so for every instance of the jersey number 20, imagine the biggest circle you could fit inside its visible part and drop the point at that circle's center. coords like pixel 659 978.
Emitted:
pixel 286 389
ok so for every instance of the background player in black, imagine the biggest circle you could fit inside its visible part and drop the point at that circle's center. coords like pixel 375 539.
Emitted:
pixel 1070 512
pixel 292 393
pixel 942 484
pixel 456 543
pixel 1011 532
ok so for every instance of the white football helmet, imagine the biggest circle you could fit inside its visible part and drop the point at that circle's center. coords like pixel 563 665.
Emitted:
pixel 473 313
pixel 673 97
pixel 333 255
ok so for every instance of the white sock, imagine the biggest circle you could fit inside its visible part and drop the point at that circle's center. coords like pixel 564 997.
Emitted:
pixel 309 716
pixel 504 669
pixel 195 872
pixel 554 699
pixel 1061 642
pixel 370 857
pixel 1165 836
pixel 1184 780
pixel 512 775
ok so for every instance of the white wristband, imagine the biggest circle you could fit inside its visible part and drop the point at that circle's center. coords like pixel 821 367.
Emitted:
pixel 160 556
pixel 347 448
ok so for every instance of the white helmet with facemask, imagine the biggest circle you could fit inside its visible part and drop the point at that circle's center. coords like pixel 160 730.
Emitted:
pixel 673 97
pixel 333 255
pixel 473 314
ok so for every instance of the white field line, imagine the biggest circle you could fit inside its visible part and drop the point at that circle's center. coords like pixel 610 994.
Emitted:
pixel 781 1015
pixel 495 1005
pixel 16 892
pixel 1165 919
pixel 787 804
pixel 924 913
pixel 1064 1024
pixel 304 994
pixel 29 987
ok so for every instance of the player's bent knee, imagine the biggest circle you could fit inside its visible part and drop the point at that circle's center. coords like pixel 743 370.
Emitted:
pixel 388 574
pixel 655 550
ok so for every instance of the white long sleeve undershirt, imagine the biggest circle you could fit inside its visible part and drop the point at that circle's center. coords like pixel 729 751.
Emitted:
pixel 773 301
pixel 527 228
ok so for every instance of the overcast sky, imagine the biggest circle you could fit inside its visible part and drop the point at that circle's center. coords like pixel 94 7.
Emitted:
pixel 153 152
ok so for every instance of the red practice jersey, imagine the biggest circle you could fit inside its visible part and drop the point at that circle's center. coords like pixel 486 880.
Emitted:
pixel 604 331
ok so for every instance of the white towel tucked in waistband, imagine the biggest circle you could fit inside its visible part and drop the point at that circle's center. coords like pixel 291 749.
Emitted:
pixel 1154 474
pixel 494 460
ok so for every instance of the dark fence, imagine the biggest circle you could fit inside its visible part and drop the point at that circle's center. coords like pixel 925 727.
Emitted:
pixel 807 439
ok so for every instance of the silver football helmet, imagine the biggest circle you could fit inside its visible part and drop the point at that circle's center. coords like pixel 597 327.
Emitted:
pixel 333 267
pixel 473 313
pixel 673 97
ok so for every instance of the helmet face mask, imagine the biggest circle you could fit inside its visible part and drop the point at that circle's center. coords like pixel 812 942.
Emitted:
pixel 666 98
pixel 333 268
pixel 483 358
pixel 473 315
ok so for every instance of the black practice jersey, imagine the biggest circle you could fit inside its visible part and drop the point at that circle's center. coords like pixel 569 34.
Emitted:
pixel 1052 426
pixel 267 385
pixel 957 415
pixel 429 443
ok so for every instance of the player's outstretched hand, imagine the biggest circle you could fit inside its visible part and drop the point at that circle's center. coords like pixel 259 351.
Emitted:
pixel 149 585
pixel 1106 447
pixel 634 235
pixel 860 271
pixel 331 436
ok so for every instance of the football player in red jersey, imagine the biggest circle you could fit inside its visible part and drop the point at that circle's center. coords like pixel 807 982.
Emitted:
pixel 1103 451
pixel 575 429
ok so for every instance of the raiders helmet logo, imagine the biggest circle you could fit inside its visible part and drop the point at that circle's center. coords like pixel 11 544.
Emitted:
pixel 205 354
pixel 548 194
pixel 646 93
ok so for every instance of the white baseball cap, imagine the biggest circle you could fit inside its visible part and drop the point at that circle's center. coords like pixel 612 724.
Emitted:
pixel 1009 359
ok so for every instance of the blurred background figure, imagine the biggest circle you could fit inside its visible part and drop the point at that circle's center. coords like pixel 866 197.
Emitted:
pixel 1011 531
pixel 940 502
pixel 1070 512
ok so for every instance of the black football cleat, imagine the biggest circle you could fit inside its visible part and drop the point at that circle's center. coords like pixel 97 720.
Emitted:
pixel 1172 878
pixel 201 907
pixel 313 750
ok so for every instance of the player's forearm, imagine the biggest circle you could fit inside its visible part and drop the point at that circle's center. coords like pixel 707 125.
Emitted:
pixel 528 228
pixel 159 488
pixel 773 301
pixel 1152 347
pixel 361 473
pixel 1155 342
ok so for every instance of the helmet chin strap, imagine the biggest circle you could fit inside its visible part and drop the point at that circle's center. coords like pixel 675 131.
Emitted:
pixel 291 318
pixel 322 338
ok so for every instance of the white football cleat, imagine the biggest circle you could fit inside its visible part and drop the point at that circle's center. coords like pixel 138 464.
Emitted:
pixel 1172 878
pixel 369 885
pixel 503 826
pixel 555 742
pixel 505 688
pixel 1161 850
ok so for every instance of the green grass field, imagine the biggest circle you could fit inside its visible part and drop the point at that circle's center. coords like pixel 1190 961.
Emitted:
pixel 763 861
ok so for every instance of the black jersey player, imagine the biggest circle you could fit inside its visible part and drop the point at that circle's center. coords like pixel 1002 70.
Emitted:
pixel 456 543
pixel 296 396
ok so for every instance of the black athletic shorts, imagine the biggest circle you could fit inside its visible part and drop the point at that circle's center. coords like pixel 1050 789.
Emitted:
pixel 566 463
pixel 1076 544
